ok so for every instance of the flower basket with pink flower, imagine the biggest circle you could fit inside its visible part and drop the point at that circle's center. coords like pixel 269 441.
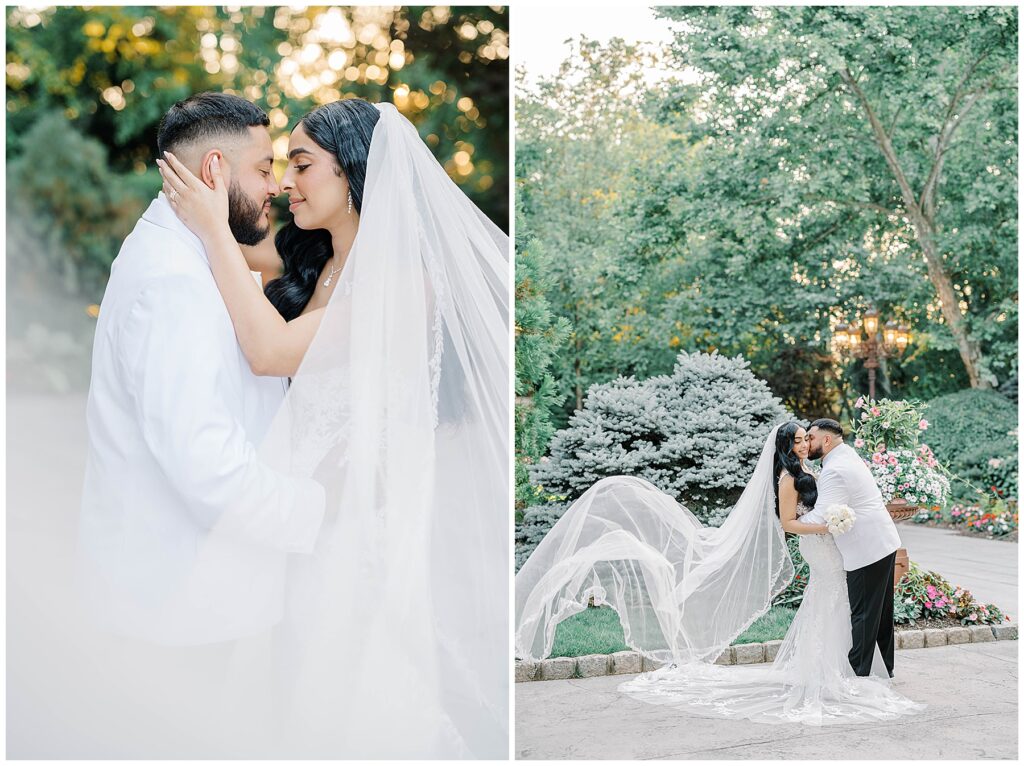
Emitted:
pixel 887 435
pixel 888 424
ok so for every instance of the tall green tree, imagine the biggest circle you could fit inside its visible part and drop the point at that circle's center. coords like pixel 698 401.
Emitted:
pixel 870 145
pixel 589 169
pixel 540 336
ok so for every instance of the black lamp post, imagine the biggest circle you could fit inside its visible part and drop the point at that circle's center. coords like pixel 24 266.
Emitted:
pixel 863 340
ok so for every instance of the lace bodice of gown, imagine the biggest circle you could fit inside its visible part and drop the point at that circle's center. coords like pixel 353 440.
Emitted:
pixel 801 509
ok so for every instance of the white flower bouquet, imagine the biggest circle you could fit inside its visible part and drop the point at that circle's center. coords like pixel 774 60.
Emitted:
pixel 840 519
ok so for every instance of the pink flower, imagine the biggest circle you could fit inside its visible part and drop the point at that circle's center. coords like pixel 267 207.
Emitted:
pixel 972 616
pixel 877 458
pixel 930 590
pixel 863 416
pixel 859 403
pixel 858 443
pixel 923 425
pixel 928 604
pixel 893 460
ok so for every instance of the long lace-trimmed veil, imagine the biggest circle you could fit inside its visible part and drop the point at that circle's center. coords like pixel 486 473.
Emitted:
pixel 395 642
pixel 682 591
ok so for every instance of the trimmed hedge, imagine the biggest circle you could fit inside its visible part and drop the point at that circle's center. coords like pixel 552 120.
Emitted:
pixel 695 434
pixel 974 433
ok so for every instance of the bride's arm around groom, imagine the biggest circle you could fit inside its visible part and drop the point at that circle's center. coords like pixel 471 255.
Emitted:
pixel 192 421
pixel 809 523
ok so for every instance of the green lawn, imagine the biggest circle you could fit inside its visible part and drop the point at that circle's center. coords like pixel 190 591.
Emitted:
pixel 597 631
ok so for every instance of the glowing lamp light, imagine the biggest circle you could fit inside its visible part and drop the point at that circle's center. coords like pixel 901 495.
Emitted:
pixel 890 333
pixel 902 337
pixel 842 334
pixel 871 346
pixel 871 322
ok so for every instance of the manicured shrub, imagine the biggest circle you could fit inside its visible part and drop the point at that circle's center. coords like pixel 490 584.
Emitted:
pixel 974 433
pixel 695 434
pixel 535 523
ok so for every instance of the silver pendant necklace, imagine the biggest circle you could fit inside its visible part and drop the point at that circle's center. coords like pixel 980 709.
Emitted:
pixel 327 282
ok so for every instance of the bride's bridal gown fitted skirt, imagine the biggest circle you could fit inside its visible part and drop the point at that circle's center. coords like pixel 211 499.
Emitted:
pixel 810 681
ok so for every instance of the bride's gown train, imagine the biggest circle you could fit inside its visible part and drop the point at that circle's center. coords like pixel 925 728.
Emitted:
pixel 810 681
pixel 683 592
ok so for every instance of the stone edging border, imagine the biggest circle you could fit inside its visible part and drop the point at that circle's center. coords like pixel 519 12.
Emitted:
pixel 619 663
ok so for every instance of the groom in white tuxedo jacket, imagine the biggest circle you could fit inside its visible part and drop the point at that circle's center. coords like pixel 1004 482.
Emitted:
pixel 868 548
pixel 175 415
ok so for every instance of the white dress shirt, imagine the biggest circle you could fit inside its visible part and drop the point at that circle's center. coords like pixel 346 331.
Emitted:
pixel 174 417
pixel 846 480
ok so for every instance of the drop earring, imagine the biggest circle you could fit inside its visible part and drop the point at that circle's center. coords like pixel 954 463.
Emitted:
pixel 350 202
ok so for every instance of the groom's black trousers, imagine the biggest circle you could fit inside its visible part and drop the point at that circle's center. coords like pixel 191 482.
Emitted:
pixel 871 596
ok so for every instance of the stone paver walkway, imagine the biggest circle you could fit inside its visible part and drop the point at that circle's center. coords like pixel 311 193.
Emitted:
pixel 987 568
pixel 971 691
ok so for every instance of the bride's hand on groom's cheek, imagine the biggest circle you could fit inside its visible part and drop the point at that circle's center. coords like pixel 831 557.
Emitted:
pixel 202 208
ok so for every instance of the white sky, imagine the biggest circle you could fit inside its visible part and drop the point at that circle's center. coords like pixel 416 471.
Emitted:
pixel 539 32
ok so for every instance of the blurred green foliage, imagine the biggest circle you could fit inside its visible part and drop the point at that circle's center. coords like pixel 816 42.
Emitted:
pixel 111 73
pixel 73 207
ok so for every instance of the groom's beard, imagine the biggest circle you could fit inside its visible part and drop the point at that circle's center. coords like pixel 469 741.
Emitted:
pixel 244 217
pixel 813 453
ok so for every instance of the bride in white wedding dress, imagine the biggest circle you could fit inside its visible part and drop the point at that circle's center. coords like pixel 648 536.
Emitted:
pixel 392 640
pixel 684 592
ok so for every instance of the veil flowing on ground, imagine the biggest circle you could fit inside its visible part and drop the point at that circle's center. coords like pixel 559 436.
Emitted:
pixel 395 641
pixel 682 591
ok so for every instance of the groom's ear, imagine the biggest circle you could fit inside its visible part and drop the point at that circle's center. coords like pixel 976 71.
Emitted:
pixel 206 173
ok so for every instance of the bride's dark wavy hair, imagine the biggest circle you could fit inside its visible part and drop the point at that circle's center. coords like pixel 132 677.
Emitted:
pixel 786 460
pixel 343 128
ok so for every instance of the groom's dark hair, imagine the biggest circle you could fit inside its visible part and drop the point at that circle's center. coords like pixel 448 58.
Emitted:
pixel 827 424
pixel 206 115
